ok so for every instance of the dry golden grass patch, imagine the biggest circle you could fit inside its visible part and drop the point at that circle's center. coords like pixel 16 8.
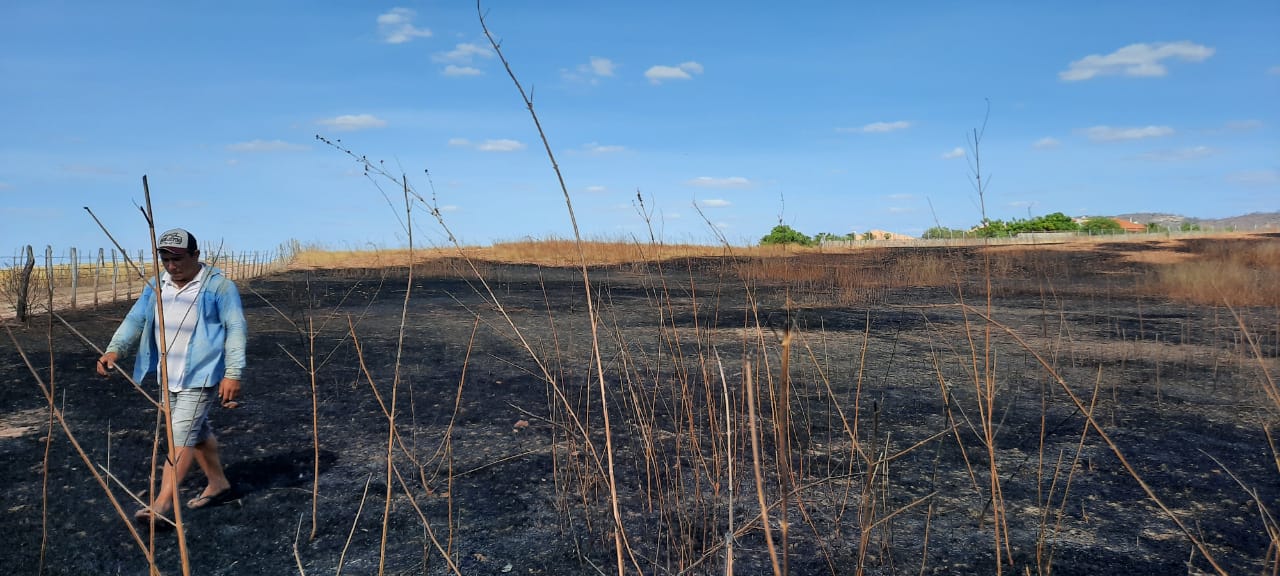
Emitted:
pixel 553 252
pixel 1161 254
pixel 1242 273
pixel 1237 268
pixel 316 259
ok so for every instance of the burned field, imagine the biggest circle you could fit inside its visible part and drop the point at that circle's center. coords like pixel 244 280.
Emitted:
pixel 854 413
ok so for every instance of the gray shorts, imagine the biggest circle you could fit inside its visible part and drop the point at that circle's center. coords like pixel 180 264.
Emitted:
pixel 190 415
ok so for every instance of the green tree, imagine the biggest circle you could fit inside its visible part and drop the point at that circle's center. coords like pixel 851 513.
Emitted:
pixel 1101 225
pixel 994 229
pixel 1189 227
pixel 783 234
pixel 943 232
pixel 1056 222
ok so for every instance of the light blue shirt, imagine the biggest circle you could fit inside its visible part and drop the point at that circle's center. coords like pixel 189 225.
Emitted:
pixel 217 346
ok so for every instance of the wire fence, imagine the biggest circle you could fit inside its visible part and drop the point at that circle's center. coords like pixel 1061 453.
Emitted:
pixel 74 278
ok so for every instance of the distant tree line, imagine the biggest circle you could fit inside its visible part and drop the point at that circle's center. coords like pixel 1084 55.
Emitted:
pixel 783 234
pixel 1055 222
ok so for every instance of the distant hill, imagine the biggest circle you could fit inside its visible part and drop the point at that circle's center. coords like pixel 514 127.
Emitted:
pixel 1254 221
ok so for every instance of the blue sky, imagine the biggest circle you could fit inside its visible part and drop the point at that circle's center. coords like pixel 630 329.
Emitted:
pixel 833 116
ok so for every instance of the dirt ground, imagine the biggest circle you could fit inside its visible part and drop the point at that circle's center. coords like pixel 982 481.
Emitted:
pixel 505 472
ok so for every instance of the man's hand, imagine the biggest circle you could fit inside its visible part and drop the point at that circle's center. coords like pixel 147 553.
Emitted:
pixel 107 363
pixel 228 389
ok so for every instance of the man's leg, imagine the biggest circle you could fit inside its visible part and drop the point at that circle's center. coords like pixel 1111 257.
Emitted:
pixel 189 410
pixel 210 461
pixel 172 476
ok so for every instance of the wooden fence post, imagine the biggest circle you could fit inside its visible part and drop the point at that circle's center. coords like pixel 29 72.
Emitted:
pixel 48 274
pixel 97 275
pixel 75 275
pixel 24 286
pixel 114 275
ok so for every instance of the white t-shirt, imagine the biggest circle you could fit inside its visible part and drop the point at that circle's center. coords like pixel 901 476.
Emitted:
pixel 180 315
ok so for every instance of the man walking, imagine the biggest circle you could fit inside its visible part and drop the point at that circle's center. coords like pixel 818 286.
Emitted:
pixel 205 332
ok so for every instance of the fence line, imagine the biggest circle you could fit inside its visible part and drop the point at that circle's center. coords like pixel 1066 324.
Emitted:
pixel 65 274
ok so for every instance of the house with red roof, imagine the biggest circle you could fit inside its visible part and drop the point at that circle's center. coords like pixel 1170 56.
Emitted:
pixel 1130 227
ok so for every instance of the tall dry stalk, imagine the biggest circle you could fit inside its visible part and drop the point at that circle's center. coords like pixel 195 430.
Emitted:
pixel 315 425
pixel 782 431
pixel 395 384
pixel 1195 540
pixel 615 508
pixel 48 444
pixel 984 378
pixel 163 378
pixel 761 499
pixel 404 486
pixel 47 392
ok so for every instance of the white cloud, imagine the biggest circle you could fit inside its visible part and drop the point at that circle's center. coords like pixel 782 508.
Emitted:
pixel 901 209
pixel 1243 125
pixel 591 72
pixel 1274 71
pixel 730 182
pixel 395 26
pixel 1255 177
pixel 464 53
pixel 254 146
pixel 660 74
pixel 497 145
pixel 6 186
pixel 456 70
pixel 1045 143
pixel 900 196
pixel 956 152
pixel 880 127
pixel 1180 154
pixel 714 203
pixel 595 189
pixel 602 66
pixel 501 145
pixel 352 122
pixel 90 170
pixel 1110 134
pixel 595 148
pixel 448 208
pixel 1142 60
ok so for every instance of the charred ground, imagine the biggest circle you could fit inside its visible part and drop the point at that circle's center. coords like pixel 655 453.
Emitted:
pixel 510 471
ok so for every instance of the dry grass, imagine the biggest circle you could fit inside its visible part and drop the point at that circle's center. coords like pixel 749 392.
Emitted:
pixel 553 251
pixel 1237 273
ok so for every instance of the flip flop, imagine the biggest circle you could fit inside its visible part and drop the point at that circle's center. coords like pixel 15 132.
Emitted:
pixel 211 500
pixel 143 518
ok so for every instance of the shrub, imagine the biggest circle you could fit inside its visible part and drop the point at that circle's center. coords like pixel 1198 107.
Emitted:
pixel 1102 226
pixel 943 232
pixel 783 234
